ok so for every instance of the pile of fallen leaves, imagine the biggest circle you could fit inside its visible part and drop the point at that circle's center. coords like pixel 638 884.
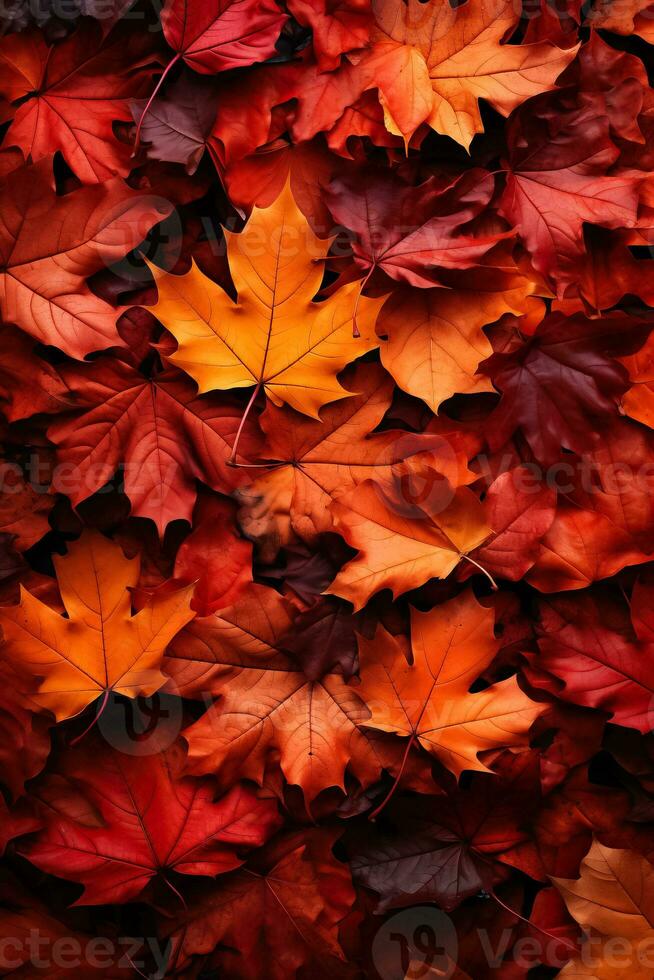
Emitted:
pixel 327 489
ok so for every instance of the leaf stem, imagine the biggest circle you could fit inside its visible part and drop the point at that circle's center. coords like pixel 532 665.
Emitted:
pixel 97 717
pixel 232 459
pixel 355 325
pixel 275 464
pixel 533 925
pixel 135 967
pixel 375 813
pixel 137 138
pixel 175 891
pixel 481 568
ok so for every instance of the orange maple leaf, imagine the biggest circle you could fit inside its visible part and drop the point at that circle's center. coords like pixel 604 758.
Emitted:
pixel 100 646
pixel 432 62
pixel 435 341
pixel 314 459
pixel 267 709
pixel 407 529
pixel 428 700
pixel 274 337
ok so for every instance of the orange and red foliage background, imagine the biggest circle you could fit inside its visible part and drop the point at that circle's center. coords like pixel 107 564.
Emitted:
pixel 327 489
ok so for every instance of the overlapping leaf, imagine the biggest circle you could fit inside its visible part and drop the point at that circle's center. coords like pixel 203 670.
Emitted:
pixel 427 700
pixel 275 336
pixel 50 245
pixel 326 489
pixel 115 857
pixel 100 646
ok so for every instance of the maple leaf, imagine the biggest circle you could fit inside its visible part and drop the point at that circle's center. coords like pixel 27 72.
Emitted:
pixel 428 700
pixel 157 429
pixel 288 902
pixel 432 62
pixel 557 179
pixel 314 459
pixel 495 745
pixel 221 34
pixel 599 666
pixel 450 848
pixel 266 704
pixel 566 366
pixel 135 842
pixel 520 510
pixel 431 524
pixel 44 264
pixel 434 341
pixel 100 646
pixel 581 547
pixel 177 127
pixel 274 337
pixel 405 230
pixel 70 95
pixel 337 26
